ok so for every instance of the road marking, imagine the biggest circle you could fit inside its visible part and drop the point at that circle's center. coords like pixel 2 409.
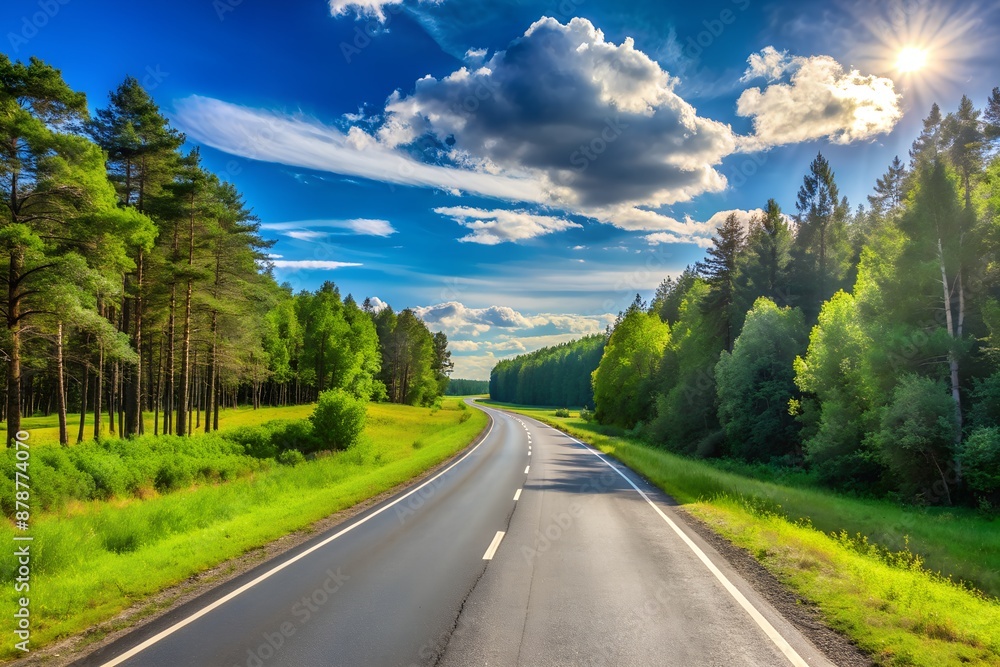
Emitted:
pixel 277 568
pixel 526 469
pixel 517 494
pixel 494 545
pixel 763 623
pixel 529 452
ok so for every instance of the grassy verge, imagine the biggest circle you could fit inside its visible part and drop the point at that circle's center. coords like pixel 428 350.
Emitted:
pixel 92 560
pixel 45 430
pixel 873 568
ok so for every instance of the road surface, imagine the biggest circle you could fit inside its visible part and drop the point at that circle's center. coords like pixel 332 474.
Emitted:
pixel 530 549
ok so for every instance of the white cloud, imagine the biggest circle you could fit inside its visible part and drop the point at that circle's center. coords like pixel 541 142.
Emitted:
pixel 821 99
pixel 455 318
pixel 370 227
pixel 273 256
pixel 377 304
pixel 309 229
pixel 500 226
pixel 770 64
pixel 463 345
pixel 297 141
pixel 310 264
pixel 707 228
pixel 370 8
pixel 598 123
pixel 304 235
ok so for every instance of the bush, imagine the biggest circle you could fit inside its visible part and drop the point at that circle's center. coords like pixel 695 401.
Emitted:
pixel 291 457
pixel 916 437
pixel 562 412
pixel 339 419
pixel 981 463
pixel 586 415
pixel 294 434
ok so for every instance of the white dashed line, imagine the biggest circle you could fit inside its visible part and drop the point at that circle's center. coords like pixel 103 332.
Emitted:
pixel 517 494
pixel 494 545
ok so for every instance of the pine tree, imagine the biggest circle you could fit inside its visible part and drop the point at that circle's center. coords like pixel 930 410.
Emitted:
pixel 889 189
pixel 141 149
pixel 822 252
pixel 928 145
pixel 719 270
pixel 962 134
pixel 992 116
pixel 763 269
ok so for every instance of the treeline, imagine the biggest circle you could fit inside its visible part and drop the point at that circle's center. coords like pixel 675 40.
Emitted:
pixel 862 344
pixel 137 281
pixel 460 387
pixel 557 375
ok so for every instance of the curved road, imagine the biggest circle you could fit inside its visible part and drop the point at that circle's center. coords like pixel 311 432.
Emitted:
pixel 530 549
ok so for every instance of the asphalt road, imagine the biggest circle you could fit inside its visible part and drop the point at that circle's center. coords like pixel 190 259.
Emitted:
pixel 530 549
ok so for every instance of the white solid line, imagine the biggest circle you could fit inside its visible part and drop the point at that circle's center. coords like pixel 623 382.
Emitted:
pixel 774 635
pixel 517 494
pixel 526 468
pixel 494 545
pixel 277 568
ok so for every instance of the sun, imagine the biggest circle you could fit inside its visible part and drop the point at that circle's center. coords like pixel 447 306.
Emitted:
pixel 911 59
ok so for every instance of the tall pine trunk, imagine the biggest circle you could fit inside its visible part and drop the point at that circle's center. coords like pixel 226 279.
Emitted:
pixel 14 330
pixel 61 386
pixel 84 390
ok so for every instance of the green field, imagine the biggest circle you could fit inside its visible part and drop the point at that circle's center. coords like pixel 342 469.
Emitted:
pixel 82 577
pixel 45 430
pixel 881 573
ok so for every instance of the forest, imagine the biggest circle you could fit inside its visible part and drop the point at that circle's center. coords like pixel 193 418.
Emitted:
pixel 858 344
pixel 460 387
pixel 554 376
pixel 137 281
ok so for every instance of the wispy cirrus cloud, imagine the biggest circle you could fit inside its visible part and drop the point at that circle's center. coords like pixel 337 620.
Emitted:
pixel 308 230
pixel 368 8
pixel 310 264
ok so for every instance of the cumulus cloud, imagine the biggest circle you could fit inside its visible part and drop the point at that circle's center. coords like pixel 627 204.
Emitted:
pixel 463 345
pixel 377 304
pixel 704 240
pixel 499 226
pixel 455 318
pixel 310 264
pixel 820 99
pixel 599 123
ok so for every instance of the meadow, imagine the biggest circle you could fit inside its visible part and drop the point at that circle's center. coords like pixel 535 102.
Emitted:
pixel 91 559
pixel 909 585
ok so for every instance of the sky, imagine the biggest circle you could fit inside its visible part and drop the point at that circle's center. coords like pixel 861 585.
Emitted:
pixel 517 171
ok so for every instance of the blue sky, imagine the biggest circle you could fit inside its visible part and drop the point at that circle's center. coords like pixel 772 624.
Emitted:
pixel 516 171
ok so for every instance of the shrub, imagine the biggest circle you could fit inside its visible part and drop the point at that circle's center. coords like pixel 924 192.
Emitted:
pixel 916 437
pixel 339 419
pixel 256 441
pixel 562 412
pixel 981 462
pixel 586 415
pixel 291 457
pixel 294 434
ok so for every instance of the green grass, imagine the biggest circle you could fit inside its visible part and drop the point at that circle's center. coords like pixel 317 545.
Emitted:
pixel 881 573
pixel 45 430
pixel 92 560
